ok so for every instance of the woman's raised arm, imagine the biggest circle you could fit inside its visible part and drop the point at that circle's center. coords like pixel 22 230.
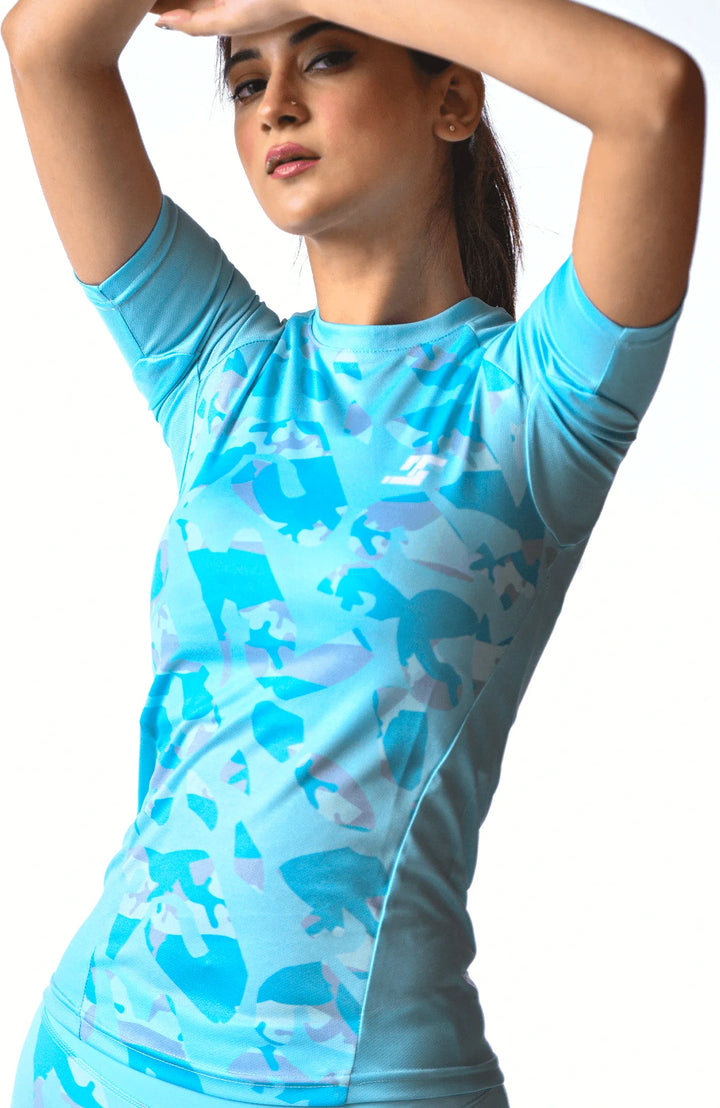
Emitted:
pixel 98 181
pixel 641 96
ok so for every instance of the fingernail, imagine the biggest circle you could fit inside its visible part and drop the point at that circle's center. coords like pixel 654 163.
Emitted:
pixel 166 26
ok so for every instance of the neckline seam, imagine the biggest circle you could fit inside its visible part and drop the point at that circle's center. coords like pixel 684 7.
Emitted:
pixel 386 349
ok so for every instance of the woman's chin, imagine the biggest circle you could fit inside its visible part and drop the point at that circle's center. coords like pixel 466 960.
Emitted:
pixel 301 222
pixel 313 212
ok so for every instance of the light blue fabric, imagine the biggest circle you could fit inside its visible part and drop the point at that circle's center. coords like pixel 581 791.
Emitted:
pixel 374 533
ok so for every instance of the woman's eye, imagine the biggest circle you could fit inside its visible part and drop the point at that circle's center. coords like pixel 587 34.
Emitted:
pixel 245 90
pixel 332 57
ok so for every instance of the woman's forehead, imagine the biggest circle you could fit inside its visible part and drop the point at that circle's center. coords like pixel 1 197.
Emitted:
pixel 291 34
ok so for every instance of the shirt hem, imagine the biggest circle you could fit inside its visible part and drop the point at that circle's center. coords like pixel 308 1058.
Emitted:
pixel 420 1084
pixel 398 1087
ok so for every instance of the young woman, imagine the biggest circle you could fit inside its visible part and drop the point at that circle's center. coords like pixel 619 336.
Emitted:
pixel 381 505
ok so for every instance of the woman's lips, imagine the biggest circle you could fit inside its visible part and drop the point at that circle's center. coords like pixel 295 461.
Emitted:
pixel 287 152
pixel 291 169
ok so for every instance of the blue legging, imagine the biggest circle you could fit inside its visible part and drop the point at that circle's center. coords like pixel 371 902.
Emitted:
pixel 67 1067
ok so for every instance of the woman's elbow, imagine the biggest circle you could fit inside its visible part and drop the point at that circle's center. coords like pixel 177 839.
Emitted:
pixel 680 96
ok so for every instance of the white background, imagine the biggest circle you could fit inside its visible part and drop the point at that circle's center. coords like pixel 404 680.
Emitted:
pixel 595 900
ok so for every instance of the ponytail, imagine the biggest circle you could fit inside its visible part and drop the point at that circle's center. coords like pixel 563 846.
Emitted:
pixel 486 215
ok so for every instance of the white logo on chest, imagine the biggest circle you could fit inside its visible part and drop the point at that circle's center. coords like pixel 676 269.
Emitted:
pixel 417 467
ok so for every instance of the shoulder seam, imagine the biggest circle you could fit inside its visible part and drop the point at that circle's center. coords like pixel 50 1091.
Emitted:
pixel 239 346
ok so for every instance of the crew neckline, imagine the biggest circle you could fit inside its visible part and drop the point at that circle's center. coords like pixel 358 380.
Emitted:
pixel 395 336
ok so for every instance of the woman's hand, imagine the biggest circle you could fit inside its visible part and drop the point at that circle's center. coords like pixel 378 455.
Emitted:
pixel 227 17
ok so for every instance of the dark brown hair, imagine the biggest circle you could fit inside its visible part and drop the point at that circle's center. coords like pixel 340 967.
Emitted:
pixel 486 215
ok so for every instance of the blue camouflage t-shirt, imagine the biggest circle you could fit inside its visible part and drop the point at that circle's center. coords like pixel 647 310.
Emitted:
pixel 374 532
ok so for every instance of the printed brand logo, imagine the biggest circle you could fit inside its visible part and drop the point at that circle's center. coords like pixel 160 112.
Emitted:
pixel 417 465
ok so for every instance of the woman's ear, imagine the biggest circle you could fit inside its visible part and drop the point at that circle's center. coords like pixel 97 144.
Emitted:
pixel 461 98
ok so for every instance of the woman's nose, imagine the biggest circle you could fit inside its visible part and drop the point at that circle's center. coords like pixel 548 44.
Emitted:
pixel 280 104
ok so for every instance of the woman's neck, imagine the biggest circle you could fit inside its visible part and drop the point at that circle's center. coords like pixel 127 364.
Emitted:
pixel 387 278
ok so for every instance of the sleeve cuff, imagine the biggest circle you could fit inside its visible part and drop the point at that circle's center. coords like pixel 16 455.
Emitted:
pixel 616 330
pixel 125 280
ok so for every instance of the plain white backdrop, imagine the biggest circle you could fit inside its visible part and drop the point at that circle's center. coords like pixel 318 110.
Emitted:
pixel 595 900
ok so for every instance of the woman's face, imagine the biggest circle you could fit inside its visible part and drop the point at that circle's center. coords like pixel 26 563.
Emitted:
pixel 361 108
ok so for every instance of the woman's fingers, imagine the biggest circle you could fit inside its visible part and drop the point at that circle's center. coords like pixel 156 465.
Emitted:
pixel 228 17
pixel 196 17
pixel 199 17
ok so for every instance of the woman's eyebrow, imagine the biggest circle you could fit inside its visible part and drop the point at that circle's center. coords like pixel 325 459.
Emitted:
pixel 295 39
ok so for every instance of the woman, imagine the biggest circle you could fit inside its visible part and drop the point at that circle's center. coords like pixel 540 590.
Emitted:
pixel 381 504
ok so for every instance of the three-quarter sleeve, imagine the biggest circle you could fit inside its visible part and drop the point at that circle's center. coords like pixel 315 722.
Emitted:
pixel 588 382
pixel 174 308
